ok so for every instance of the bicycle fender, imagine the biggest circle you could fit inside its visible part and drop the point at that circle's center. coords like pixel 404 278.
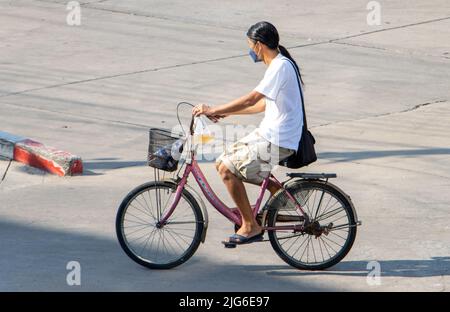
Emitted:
pixel 294 181
pixel 199 199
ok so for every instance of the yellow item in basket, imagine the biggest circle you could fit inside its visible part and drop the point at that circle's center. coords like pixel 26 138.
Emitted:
pixel 202 135
pixel 204 138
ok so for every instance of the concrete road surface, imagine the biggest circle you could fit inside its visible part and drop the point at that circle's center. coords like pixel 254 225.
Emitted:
pixel 377 99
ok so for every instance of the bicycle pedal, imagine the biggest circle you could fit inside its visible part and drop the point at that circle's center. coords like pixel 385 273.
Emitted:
pixel 229 245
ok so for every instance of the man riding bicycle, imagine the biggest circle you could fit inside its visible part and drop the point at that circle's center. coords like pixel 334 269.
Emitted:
pixel 278 134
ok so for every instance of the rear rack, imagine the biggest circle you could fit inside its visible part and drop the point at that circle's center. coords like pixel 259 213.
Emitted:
pixel 311 175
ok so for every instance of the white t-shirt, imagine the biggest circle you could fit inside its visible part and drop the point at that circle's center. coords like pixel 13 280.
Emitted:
pixel 283 117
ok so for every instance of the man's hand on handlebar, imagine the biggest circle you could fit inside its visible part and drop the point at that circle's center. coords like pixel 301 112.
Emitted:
pixel 203 109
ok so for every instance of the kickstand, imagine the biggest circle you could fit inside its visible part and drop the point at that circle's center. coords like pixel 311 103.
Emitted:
pixel 6 171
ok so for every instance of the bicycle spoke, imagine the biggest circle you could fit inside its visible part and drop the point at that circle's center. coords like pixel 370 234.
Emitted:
pixel 344 216
pixel 176 233
pixel 151 243
pixel 307 242
pixel 146 204
pixel 326 249
pixel 314 203
pixel 140 219
pixel 167 202
pixel 135 231
pixel 341 227
pixel 139 223
pixel 151 203
pixel 180 229
pixel 338 236
pixel 173 249
pixel 138 238
pixel 176 241
pixel 140 204
pixel 330 214
pixel 293 244
pixel 321 252
pixel 164 247
pixel 325 243
pixel 327 238
pixel 325 207
pixel 157 248
pixel 314 252
pixel 146 242
pixel 286 237
pixel 180 236
pixel 189 212
pixel 306 200
pixel 289 237
pixel 131 205
pixel 328 209
pixel 300 247
pixel 320 203
pixel 307 250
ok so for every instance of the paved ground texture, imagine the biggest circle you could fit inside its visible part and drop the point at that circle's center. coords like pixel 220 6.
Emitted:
pixel 377 100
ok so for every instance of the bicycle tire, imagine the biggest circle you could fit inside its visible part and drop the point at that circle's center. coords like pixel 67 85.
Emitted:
pixel 199 220
pixel 305 185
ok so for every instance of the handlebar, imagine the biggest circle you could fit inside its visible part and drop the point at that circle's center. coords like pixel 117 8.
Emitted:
pixel 191 127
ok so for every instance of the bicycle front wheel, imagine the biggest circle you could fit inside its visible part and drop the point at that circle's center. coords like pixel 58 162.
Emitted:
pixel 153 246
pixel 329 235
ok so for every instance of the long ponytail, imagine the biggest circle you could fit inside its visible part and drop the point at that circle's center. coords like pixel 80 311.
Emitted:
pixel 285 53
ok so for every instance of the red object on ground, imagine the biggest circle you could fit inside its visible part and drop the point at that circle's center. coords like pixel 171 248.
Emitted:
pixel 50 159
pixel 38 155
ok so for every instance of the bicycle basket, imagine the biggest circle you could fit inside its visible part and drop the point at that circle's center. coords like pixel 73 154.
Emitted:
pixel 164 149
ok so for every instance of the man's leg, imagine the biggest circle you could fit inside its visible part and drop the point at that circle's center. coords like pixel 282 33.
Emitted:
pixel 272 187
pixel 237 191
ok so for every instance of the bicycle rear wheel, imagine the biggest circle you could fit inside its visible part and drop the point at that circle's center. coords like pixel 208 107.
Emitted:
pixel 329 235
pixel 153 246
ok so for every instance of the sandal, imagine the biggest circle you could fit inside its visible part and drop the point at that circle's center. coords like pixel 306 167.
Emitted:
pixel 237 239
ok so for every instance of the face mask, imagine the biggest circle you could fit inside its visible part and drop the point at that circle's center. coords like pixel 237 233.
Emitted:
pixel 254 56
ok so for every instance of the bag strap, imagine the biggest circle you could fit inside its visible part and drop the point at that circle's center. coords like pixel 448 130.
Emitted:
pixel 305 126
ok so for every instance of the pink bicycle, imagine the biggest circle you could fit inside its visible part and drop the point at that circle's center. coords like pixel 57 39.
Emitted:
pixel 311 223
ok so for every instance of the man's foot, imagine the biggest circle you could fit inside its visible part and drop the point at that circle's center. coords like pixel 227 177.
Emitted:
pixel 249 231
pixel 245 235
pixel 237 239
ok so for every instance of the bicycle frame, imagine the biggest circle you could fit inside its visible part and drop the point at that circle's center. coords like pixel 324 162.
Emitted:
pixel 213 199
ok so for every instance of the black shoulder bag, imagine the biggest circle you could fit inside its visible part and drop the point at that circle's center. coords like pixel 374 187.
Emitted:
pixel 306 153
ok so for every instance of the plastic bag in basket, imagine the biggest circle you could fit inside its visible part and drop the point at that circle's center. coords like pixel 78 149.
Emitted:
pixel 167 157
pixel 202 134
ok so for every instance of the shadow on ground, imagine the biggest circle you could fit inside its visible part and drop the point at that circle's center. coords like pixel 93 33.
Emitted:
pixel 436 266
pixel 111 163
pixel 360 155
pixel 35 258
